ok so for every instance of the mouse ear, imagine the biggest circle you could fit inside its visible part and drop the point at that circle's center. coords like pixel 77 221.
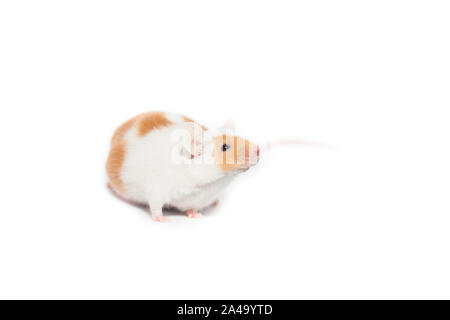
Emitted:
pixel 228 126
pixel 192 141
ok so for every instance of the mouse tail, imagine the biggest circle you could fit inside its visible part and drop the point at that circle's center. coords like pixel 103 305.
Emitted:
pixel 294 142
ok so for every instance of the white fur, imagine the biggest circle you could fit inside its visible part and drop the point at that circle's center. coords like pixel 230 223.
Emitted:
pixel 151 173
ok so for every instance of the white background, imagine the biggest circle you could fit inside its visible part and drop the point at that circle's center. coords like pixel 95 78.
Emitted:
pixel 367 217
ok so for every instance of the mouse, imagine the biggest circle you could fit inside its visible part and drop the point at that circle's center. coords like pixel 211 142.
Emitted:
pixel 167 160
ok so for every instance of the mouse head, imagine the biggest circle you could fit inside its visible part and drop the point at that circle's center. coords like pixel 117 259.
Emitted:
pixel 233 153
pixel 230 153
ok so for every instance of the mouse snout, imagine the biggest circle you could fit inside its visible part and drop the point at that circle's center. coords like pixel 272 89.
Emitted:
pixel 256 153
pixel 253 154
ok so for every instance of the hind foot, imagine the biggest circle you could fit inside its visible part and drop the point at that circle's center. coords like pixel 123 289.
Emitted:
pixel 192 213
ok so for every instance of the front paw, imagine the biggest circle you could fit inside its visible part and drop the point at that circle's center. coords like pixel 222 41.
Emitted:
pixel 161 219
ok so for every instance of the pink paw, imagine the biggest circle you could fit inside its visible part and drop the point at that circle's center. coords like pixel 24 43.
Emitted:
pixel 161 219
pixel 193 214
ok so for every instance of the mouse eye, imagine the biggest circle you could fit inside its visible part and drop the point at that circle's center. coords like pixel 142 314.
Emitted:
pixel 225 147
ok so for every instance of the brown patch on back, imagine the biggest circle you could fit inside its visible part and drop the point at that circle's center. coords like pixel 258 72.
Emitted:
pixel 114 166
pixel 122 130
pixel 187 119
pixel 116 156
pixel 150 121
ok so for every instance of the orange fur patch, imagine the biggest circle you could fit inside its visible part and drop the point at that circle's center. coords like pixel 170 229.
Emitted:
pixel 116 156
pixel 122 130
pixel 152 120
pixel 114 166
pixel 187 119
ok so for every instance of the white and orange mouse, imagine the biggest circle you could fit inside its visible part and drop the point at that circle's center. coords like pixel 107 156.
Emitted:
pixel 168 160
